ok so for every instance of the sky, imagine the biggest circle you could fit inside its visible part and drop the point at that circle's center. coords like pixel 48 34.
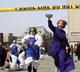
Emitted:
pixel 18 22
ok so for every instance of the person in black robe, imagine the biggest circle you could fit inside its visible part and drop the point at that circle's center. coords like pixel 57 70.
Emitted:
pixel 78 51
pixel 3 54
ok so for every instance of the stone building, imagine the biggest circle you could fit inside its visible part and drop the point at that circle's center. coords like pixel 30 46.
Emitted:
pixel 74 22
pixel 7 37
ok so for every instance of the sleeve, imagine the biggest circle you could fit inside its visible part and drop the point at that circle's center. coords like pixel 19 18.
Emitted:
pixel 51 26
pixel 65 39
pixel 39 40
pixel 11 46
pixel 19 47
pixel 24 39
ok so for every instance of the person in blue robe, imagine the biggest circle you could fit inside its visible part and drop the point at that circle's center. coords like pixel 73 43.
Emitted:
pixel 62 58
pixel 33 41
pixel 15 48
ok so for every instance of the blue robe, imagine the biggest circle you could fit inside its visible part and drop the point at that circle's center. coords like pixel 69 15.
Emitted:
pixel 63 60
pixel 32 50
pixel 14 50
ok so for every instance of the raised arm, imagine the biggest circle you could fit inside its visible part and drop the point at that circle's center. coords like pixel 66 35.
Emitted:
pixel 51 26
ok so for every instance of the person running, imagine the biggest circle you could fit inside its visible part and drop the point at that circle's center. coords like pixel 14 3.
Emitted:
pixel 62 58
pixel 21 58
pixel 33 41
pixel 15 48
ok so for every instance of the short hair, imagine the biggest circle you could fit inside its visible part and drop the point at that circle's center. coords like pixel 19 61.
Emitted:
pixel 33 28
pixel 64 22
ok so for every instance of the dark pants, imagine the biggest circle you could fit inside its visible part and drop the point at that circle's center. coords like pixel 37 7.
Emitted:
pixel 2 61
pixel 30 68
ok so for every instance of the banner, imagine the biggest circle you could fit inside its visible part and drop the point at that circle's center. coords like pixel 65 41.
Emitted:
pixel 39 8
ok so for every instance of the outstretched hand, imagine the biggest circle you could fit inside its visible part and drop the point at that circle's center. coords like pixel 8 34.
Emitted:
pixel 49 18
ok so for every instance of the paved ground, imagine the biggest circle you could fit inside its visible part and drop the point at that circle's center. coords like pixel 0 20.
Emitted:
pixel 47 65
